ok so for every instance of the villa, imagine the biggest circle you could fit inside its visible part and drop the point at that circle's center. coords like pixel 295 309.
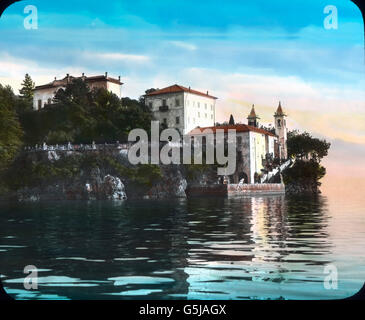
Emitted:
pixel 44 94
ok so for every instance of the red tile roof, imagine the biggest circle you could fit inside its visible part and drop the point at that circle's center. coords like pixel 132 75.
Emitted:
pixel 177 88
pixel 237 127
pixel 63 82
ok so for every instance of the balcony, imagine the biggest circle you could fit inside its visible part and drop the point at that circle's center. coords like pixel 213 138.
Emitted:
pixel 163 108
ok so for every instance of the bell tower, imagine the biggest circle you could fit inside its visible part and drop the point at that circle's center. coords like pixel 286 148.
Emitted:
pixel 253 118
pixel 281 131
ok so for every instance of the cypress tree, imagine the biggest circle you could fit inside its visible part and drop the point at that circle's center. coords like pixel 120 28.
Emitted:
pixel 28 85
pixel 231 120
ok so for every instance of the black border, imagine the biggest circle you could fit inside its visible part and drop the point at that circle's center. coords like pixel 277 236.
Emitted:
pixel 234 305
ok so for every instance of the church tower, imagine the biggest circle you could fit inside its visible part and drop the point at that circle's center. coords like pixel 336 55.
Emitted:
pixel 253 118
pixel 281 131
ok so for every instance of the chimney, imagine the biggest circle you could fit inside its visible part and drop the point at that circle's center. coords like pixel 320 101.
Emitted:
pixel 189 88
pixel 207 92
pixel 119 78
pixel 106 74
pixel 55 78
pixel 68 77
pixel 83 74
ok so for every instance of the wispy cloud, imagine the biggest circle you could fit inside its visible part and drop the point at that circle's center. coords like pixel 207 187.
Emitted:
pixel 184 45
pixel 119 56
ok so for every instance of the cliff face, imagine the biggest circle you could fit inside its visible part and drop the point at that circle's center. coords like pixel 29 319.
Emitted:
pixel 108 175
pixel 303 177
pixel 73 175
pixel 302 187
pixel 95 187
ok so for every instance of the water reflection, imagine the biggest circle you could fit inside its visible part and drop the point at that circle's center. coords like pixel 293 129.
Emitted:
pixel 216 248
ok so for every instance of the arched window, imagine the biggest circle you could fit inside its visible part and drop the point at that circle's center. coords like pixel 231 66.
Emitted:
pixel 279 123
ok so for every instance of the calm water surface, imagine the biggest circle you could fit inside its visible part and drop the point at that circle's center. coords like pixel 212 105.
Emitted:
pixel 270 247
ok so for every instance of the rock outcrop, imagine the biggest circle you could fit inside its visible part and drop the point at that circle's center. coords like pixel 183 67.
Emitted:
pixel 171 185
pixel 100 181
pixel 302 187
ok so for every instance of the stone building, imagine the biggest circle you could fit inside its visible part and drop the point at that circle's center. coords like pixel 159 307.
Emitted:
pixel 281 131
pixel 44 94
pixel 182 108
pixel 253 144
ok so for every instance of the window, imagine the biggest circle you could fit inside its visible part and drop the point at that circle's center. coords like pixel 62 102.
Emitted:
pixel 198 114
pixel 205 106
pixel 206 115
pixel 193 103
pixel 177 102
pixel 150 105
pixel 49 100
pixel 165 121
pixel 164 102
pixel 211 116
pixel 177 120
pixel 39 104
pixel 211 107
pixel 279 123
pixel 198 104
pixel 194 120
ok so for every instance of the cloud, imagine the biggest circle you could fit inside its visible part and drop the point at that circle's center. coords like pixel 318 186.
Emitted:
pixel 184 45
pixel 119 56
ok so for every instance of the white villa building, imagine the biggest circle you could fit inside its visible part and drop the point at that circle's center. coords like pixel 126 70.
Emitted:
pixel 182 108
pixel 253 144
pixel 44 94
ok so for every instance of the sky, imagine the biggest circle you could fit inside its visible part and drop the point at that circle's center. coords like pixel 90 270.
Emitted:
pixel 244 52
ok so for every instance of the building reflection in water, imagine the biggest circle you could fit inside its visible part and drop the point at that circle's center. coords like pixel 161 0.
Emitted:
pixel 265 246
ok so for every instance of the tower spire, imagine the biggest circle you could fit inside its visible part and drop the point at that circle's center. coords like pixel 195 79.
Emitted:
pixel 281 131
pixel 252 117
pixel 279 111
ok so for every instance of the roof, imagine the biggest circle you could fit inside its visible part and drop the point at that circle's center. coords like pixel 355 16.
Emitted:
pixel 64 81
pixel 279 111
pixel 237 127
pixel 177 88
pixel 252 114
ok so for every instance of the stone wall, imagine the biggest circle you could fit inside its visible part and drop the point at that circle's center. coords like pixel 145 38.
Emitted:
pixel 234 189
pixel 303 187
pixel 260 188
pixel 198 190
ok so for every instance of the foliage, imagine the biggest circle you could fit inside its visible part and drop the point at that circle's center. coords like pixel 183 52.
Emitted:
pixel 10 129
pixel 142 98
pixel 143 174
pixel 28 172
pixel 28 85
pixel 303 145
pixel 304 171
pixel 194 172
pixel 231 120
pixel 81 115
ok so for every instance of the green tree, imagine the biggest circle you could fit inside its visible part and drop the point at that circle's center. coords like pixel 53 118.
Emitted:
pixel 231 120
pixel 81 115
pixel 28 85
pixel 303 145
pixel 10 129
pixel 304 172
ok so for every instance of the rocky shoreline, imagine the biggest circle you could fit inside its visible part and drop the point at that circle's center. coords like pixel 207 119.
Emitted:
pixel 104 182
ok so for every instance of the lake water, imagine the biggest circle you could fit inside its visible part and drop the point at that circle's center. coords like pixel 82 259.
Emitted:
pixel 269 247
